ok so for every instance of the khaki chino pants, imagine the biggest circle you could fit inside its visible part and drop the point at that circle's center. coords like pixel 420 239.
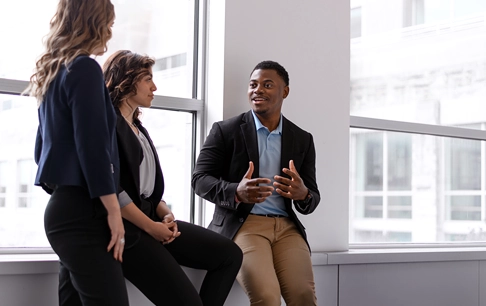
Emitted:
pixel 276 262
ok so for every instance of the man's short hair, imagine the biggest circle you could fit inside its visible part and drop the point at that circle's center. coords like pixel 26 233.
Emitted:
pixel 271 65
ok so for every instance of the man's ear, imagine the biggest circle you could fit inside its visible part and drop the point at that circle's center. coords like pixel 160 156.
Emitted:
pixel 286 92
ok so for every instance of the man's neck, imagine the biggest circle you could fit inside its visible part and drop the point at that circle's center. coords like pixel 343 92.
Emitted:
pixel 270 123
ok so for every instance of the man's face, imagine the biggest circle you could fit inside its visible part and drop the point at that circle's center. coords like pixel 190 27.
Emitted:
pixel 266 92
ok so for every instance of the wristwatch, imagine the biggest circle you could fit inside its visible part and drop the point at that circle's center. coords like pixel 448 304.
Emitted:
pixel 307 199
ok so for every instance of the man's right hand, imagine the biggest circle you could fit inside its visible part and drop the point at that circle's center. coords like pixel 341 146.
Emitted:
pixel 249 191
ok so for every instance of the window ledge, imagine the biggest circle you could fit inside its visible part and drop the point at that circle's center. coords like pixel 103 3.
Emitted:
pixel 405 255
pixel 18 264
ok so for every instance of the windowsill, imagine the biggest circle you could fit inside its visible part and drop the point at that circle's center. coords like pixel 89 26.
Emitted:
pixel 405 255
pixel 18 264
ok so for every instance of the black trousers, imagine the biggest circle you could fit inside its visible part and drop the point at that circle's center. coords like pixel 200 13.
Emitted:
pixel 78 231
pixel 155 269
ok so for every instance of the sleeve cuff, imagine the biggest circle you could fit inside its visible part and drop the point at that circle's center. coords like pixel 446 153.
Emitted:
pixel 237 202
pixel 124 199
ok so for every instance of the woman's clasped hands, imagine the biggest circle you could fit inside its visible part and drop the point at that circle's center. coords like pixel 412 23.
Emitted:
pixel 165 231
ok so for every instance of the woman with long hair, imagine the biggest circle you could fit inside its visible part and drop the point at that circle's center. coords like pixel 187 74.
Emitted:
pixel 157 244
pixel 77 155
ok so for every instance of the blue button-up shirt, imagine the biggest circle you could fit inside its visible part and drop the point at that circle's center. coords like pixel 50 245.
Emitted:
pixel 269 149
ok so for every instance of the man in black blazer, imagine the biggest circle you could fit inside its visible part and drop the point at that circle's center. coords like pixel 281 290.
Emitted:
pixel 255 167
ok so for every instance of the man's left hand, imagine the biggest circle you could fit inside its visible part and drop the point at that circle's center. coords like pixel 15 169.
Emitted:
pixel 293 188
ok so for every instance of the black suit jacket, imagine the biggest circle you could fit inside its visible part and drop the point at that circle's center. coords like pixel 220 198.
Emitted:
pixel 224 160
pixel 131 155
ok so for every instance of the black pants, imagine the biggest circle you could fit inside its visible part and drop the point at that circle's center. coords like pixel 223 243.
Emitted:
pixel 155 268
pixel 78 232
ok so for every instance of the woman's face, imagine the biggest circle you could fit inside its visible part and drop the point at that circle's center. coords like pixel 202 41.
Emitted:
pixel 145 91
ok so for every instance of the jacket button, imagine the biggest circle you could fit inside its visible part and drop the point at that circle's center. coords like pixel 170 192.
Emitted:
pixel 242 220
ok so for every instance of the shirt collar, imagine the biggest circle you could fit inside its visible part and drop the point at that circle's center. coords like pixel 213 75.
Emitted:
pixel 259 125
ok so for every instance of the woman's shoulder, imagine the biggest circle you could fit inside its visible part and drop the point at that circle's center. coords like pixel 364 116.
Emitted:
pixel 83 68
pixel 83 58
pixel 84 63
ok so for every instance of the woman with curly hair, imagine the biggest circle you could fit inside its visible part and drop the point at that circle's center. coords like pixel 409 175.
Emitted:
pixel 77 155
pixel 157 244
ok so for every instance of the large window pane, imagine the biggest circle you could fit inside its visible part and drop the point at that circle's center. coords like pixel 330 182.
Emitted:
pixel 421 61
pixel 24 23
pixel 162 29
pixel 439 196
pixel 21 204
pixel 172 135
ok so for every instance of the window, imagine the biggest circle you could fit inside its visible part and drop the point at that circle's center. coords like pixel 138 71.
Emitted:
pixel 431 187
pixel 417 155
pixel 22 204
pixel 172 135
pixel 164 30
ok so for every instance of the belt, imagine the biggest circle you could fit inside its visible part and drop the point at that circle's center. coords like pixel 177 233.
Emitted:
pixel 269 215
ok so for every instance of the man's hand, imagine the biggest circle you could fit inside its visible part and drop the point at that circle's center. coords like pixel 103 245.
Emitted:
pixel 292 188
pixel 249 191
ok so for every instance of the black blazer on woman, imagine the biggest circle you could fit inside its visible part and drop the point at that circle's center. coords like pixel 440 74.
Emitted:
pixel 131 155
pixel 224 159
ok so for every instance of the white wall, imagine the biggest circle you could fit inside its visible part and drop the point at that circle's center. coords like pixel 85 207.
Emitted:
pixel 311 40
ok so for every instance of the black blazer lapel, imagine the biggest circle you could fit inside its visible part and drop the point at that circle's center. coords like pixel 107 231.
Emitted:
pixel 251 141
pixel 287 151
pixel 288 145
pixel 131 156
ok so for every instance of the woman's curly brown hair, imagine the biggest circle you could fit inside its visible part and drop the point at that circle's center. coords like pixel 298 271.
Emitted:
pixel 122 71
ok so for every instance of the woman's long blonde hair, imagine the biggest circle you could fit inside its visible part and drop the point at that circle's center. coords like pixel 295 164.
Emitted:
pixel 78 28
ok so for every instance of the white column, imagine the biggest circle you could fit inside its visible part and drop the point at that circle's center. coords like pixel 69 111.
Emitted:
pixel 310 39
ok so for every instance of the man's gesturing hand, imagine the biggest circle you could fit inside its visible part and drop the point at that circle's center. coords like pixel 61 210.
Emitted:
pixel 292 188
pixel 249 191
